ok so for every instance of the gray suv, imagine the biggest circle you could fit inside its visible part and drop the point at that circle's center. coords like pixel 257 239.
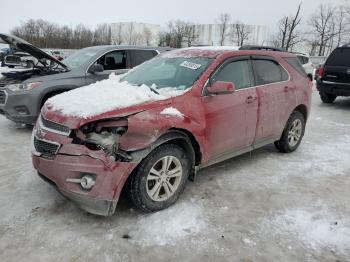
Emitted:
pixel 22 93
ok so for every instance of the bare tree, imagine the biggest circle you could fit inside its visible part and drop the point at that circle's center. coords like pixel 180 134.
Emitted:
pixel 147 34
pixel 322 24
pixel 288 35
pixel 190 34
pixel 241 33
pixel 223 20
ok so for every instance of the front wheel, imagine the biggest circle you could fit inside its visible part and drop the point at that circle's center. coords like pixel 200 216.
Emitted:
pixel 327 98
pixel 160 178
pixel 292 134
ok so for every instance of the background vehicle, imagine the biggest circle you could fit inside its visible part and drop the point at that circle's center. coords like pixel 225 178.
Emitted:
pixel 23 93
pixel 334 77
pixel 20 59
pixel 151 138
pixel 307 65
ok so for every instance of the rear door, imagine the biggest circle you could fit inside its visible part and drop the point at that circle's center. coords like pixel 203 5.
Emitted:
pixel 277 97
pixel 337 67
pixel 231 118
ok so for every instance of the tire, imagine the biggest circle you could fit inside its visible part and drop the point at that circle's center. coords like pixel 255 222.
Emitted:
pixel 292 134
pixel 327 98
pixel 149 191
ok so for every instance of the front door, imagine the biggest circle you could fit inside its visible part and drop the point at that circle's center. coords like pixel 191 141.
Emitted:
pixel 231 118
pixel 112 62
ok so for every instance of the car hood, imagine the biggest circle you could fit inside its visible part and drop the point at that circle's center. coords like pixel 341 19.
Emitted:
pixel 24 46
pixel 74 122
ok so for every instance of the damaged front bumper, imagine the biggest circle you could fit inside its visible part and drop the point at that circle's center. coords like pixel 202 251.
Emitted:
pixel 102 198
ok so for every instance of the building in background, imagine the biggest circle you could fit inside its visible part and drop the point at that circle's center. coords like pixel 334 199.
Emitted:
pixel 132 33
pixel 211 34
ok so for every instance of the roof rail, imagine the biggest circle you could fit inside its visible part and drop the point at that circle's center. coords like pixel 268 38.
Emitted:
pixel 258 47
pixel 346 45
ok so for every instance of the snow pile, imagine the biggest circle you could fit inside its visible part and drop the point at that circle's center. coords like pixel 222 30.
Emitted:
pixel 169 226
pixel 315 230
pixel 106 95
pixel 171 111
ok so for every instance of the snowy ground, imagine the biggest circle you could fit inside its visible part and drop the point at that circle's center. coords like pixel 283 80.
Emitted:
pixel 263 206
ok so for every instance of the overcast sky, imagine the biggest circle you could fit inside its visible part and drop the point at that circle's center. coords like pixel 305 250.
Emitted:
pixel 88 12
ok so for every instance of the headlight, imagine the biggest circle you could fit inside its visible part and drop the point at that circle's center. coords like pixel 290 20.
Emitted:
pixel 26 86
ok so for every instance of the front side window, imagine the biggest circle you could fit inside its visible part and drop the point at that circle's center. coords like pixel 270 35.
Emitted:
pixel 161 72
pixel 237 72
pixel 268 72
pixel 113 61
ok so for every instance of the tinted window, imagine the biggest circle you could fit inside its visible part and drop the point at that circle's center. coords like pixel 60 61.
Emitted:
pixel 339 57
pixel 237 72
pixel 140 56
pixel 113 61
pixel 267 72
pixel 295 63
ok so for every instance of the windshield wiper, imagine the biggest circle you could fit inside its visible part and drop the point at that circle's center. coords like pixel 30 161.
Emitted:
pixel 151 88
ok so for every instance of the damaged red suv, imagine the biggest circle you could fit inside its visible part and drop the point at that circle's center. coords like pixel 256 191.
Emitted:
pixel 155 127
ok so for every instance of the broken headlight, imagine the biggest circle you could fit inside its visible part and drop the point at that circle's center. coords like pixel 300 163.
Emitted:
pixel 103 135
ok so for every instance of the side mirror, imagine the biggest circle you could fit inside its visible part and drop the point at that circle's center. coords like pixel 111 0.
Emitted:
pixel 221 88
pixel 96 68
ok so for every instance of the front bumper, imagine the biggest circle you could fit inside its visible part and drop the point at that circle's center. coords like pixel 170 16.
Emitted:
pixel 110 178
pixel 334 88
pixel 19 107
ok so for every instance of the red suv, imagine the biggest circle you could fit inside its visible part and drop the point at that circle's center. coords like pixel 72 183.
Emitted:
pixel 154 128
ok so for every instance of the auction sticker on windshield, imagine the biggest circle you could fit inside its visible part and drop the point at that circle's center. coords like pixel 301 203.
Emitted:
pixel 190 65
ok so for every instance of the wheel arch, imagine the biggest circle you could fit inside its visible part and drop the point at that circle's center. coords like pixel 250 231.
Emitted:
pixel 52 93
pixel 303 110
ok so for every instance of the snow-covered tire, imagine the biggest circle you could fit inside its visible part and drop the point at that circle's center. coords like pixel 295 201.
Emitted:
pixel 327 98
pixel 292 134
pixel 152 174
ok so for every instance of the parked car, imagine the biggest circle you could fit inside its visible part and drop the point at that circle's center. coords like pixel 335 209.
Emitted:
pixel 23 93
pixel 20 59
pixel 151 130
pixel 334 77
pixel 307 65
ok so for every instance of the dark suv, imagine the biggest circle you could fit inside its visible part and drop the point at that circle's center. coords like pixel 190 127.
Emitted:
pixel 22 93
pixel 334 77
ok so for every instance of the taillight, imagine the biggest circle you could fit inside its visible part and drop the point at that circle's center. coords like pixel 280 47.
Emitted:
pixel 321 71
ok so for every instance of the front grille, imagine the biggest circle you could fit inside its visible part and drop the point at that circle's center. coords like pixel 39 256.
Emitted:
pixel 54 126
pixel 2 97
pixel 45 148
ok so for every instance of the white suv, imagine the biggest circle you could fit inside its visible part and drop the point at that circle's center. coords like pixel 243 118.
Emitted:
pixel 307 65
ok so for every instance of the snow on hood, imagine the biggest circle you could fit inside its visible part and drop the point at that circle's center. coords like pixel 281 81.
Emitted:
pixel 105 96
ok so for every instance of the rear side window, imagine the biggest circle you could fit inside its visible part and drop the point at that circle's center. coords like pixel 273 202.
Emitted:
pixel 295 63
pixel 268 72
pixel 237 72
pixel 140 56
pixel 339 57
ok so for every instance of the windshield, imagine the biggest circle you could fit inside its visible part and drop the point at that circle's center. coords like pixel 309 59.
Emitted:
pixel 160 72
pixel 79 58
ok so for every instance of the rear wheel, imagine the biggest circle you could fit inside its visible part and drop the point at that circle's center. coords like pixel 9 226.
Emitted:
pixel 160 178
pixel 292 134
pixel 327 98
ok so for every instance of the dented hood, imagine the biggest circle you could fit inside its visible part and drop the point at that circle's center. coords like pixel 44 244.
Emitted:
pixel 76 122
pixel 24 46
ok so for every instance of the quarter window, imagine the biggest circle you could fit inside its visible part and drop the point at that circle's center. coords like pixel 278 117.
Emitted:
pixel 268 72
pixel 140 56
pixel 236 72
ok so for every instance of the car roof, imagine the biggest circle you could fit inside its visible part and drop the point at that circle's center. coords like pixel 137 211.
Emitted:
pixel 106 48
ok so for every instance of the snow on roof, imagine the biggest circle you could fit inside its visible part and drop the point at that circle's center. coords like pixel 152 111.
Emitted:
pixel 106 95
pixel 216 48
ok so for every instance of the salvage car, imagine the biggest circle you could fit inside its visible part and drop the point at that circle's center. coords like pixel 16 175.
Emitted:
pixel 23 93
pixel 151 130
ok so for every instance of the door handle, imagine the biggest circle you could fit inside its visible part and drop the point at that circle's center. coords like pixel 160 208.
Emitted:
pixel 289 88
pixel 250 99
